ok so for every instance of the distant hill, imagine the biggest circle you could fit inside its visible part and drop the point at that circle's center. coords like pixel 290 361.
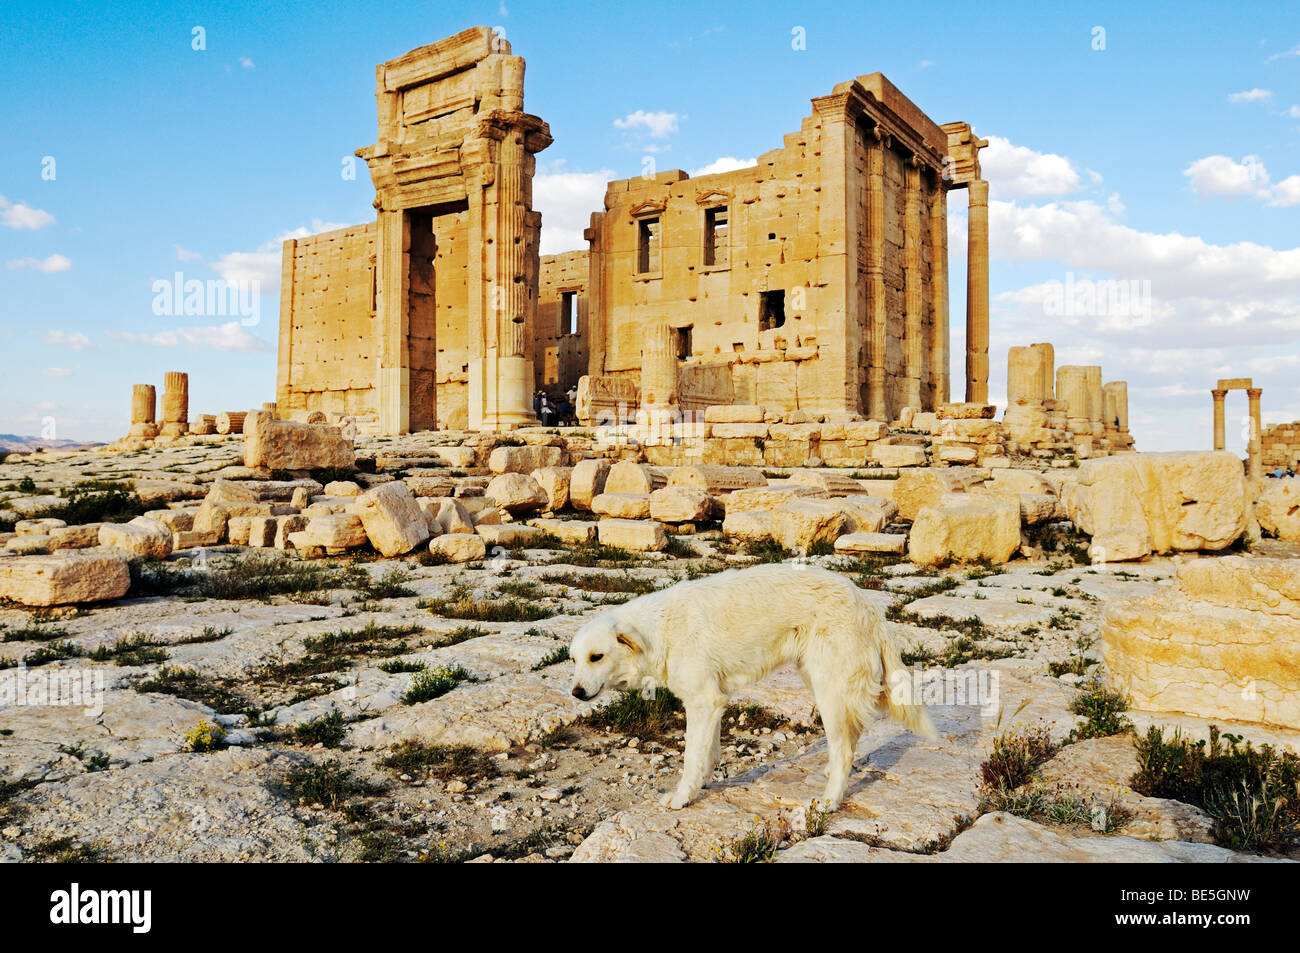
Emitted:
pixel 13 443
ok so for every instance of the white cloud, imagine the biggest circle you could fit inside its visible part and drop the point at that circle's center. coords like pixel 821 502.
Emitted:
pixel 1019 172
pixel 724 164
pixel 1294 111
pixel 1216 310
pixel 183 254
pixel 231 336
pixel 1251 96
pixel 1221 175
pixel 51 264
pixel 1286 193
pixel 926 64
pixel 566 201
pixel 73 340
pixel 263 265
pixel 245 62
pixel 57 372
pixel 19 215
pixel 659 125
pixel 1294 51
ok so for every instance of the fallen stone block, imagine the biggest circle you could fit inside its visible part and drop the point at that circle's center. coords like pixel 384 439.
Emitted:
pixel 335 533
pixel 37 527
pixel 142 536
pixel 716 479
pixel 393 521
pixel 567 531
pixel 922 487
pixel 680 504
pixel 632 506
pixel 194 539
pixel 748 525
pixel 524 459
pixel 1278 508
pixel 453 517
pixel 554 482
pixel 640 535
pixel 897 455
pixel 342 488
pixel 288 445
pixel 65 578
pixel 75 537
pixel 431 486
pixel 508 534
pixel 459 547
pixel 586 482
pixel 866 514
pixel 628 477
pixel 516 492
pixel 800 524
pixel 1139 503
pixel 964 528
pixel 768 497
pixel 856 543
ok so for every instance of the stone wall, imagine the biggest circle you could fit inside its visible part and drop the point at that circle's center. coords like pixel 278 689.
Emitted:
pixel 327 313
pixel 1281 445
pixel 752 267
pixel 559 348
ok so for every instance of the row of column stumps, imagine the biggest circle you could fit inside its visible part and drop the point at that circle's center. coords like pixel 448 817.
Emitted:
pixel 175 411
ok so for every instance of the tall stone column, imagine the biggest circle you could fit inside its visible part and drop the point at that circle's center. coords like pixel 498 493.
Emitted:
pixel 143 411
pixel 914 347
pixel 659 367
pixel 977 294
pixel 1024 376
pixel 510 306
pixel 1255 447
pixel 1047 366
pixel 877 314
pixel 939 369
pixel 1096 399
pixel 393 321
pixel 1220 440
pixel 175 404
pixel 1072 388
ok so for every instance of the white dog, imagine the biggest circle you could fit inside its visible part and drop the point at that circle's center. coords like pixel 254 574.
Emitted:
pixel 706 638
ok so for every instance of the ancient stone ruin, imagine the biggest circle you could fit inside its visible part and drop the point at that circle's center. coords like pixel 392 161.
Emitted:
pixel 391 557
pixel 815 281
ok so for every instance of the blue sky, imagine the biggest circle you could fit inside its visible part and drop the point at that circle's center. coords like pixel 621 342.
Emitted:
pixel 1168 156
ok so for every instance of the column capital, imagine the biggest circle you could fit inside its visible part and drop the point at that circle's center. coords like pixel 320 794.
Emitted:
pixel 1218 394
pixel 1254 392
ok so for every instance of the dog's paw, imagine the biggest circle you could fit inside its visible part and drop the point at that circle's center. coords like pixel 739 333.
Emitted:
pixel 675 801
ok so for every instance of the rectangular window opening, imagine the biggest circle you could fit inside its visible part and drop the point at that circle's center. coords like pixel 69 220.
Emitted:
pixel 715 236
pixel 684 349
pixel 647 249
pixel 569 312
pixel 771 310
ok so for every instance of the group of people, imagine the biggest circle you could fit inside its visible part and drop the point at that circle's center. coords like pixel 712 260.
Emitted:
pixel 553 412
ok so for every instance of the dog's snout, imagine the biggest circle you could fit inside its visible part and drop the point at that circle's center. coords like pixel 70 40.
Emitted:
pixel 579 693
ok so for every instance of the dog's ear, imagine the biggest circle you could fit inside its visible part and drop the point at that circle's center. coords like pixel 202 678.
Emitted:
pixel 631 639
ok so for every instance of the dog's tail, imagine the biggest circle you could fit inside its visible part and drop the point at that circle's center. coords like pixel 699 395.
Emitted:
pixel 899 693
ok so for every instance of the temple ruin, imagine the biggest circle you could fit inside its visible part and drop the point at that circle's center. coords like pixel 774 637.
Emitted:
pixel 814 281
